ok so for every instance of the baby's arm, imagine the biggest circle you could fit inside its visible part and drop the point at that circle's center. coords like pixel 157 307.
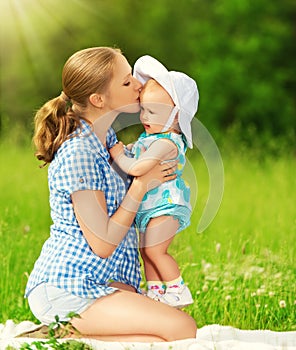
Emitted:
pixel 159 150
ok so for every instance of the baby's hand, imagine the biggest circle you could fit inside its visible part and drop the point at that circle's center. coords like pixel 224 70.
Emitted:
pixel 116 150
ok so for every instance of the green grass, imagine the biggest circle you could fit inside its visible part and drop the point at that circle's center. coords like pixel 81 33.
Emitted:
pixel 239 269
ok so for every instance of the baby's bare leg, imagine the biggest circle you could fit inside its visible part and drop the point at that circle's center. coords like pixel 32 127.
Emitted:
pixel 158 263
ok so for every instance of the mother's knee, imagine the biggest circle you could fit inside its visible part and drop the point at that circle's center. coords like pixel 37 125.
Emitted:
pixel 182 327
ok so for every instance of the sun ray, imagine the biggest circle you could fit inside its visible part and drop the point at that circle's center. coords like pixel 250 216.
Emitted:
pixel 28 59
pixel 36 37
pixel 31 35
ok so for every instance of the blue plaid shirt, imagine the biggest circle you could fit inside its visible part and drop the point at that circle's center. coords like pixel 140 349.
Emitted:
pixel 66 260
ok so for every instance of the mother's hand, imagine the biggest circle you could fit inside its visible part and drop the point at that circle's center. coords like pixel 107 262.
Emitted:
pixel 159 174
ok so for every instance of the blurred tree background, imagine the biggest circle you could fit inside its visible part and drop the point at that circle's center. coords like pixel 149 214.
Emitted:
pixel 240 52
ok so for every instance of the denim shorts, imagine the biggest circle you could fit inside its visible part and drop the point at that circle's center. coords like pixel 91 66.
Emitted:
pixel 47 301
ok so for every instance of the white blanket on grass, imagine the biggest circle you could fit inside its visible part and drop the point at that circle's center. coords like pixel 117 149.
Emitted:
pixel 212 337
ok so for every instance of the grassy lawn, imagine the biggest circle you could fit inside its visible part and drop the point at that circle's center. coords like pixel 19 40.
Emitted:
pixel 241 269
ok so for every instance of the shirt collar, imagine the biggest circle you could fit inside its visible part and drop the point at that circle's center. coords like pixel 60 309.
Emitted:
pixel 86 130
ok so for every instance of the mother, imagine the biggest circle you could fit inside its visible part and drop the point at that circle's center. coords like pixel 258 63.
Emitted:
pixel 89 265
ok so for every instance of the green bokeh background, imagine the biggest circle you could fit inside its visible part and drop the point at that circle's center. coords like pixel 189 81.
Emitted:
pixel 240 52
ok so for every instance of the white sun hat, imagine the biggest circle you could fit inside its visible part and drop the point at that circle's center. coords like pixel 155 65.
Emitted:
pixel 182 89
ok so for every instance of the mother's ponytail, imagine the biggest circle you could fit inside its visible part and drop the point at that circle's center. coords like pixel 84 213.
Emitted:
pixel 54 122
pixel 85 72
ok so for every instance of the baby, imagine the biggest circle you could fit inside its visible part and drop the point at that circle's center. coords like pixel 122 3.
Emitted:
pixel 169 101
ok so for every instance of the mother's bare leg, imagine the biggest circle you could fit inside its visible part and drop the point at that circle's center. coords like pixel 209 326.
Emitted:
pixel 126 316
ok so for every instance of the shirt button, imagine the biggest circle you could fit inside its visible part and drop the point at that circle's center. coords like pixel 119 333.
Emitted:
pixel 81 180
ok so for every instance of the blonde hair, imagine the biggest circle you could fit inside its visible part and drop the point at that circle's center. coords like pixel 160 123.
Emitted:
pixel 85 72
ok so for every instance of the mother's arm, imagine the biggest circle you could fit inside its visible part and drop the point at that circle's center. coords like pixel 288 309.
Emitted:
pixel 104 233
